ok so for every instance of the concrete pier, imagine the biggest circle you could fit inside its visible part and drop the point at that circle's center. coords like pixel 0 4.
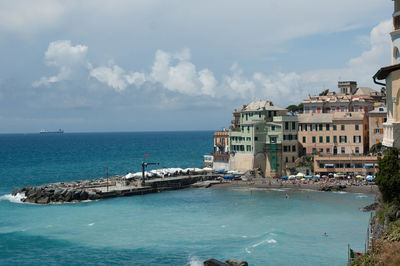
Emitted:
pixel 97 189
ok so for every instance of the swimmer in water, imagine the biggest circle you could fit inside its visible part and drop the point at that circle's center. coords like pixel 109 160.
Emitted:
pixel 325 234
pixel 287 196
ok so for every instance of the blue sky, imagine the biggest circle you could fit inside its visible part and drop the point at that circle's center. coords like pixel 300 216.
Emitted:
pixel 143 65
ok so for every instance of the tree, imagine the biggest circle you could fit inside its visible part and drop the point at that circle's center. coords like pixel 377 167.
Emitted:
pixel 295 109
pixel 388 176
pixel 377 148
pixel 324 93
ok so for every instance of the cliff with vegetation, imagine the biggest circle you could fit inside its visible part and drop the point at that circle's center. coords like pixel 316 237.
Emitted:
pixel 385 238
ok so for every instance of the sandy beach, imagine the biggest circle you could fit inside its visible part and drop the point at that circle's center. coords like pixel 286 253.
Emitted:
pixel 351 186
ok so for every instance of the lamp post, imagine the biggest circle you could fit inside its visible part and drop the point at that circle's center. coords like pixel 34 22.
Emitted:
pixel 143 171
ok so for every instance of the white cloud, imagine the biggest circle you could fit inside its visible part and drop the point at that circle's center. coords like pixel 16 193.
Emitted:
pixel 67 58
pixel 113 76
pixel 176 73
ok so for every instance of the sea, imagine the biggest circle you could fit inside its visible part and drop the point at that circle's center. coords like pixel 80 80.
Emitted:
pixel 184 227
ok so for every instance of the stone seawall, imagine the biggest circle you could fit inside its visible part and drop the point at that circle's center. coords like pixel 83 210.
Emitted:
pixel 91 190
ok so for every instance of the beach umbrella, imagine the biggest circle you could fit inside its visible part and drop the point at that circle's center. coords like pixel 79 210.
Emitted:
pixel 370 178
pixel 359 176
pixel 302 179
pixel 315 177
pixel 308 176
pixel 285 177
pixel 292 177
pixel 300 175
pixel 335 175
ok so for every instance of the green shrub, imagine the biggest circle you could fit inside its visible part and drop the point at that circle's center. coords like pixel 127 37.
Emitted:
pixel 388 176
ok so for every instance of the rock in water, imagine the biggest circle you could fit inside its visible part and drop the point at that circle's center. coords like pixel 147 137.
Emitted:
pixel 43 200
pixel 234 262
pixel 214 262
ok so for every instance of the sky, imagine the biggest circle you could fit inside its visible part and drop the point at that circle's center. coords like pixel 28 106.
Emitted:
pixel 156 65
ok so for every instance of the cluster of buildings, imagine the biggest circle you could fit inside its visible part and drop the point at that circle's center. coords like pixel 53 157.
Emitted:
pixel 336 129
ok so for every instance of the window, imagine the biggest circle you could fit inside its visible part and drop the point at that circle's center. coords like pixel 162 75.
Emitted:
pixel 321 139
pixel 321 150
pixel 293 125
pixel 341 109
pixel 334 127
pixel 313 127
pixel 284 137
pixel 286 148
pixel 342 127
pixel 272 139
pixel 293 159
pixel 357 150
pixel 259 115
pixel 304 139
pixel 287 159
pixel 255 138
pixel 313 139
pixel 242 129
pixel 247 117
pixel 248 139
pixel 320 127
pixel 294 148
pixel 273 128
pixel 327 127
pixel 314 150
pixel 335 139
pixel 269 113
pixel 328 150
pixel 343 139
pixel 342 150
pixel 357 139
pixel 328 139
pixel 305 127
pixel 274 113
pixel 286 125
pixel 377 131
pixel 248 147
pixel 357 127
pixel 248 129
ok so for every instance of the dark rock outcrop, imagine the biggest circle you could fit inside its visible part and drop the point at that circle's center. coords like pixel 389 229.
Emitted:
pixel 230 262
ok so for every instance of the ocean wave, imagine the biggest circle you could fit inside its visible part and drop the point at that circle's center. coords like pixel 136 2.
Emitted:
pixel 340 192
pixel 278 189
pixel 362 196
pixel 15 199
pixel 269 241
pixel 194 261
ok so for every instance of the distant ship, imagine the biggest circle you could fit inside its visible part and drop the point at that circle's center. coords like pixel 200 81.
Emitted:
pixel 45 131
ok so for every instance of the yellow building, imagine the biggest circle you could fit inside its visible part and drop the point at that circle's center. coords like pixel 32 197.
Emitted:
pixel 391 74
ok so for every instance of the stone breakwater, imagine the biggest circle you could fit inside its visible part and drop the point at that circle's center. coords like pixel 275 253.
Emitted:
pixel 97 189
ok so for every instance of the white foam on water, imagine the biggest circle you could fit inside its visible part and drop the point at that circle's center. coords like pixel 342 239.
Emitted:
pixel 340 192
pixel 194 261
pixel 362 196
pixel 91 224
pixel 244 236
pixel 247 250
pixel 15 199
pixel 269 241
pixel 278 189
pixel 223 226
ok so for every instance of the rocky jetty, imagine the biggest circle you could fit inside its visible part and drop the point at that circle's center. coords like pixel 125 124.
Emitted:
pixel 53 194
pixel 101 189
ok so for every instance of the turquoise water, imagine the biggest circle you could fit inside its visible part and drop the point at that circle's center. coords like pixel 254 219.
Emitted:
pixel 169 228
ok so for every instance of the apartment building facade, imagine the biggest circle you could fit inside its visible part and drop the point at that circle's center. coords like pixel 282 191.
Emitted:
pixel 333 133
pixel 377 118
pixel 261 139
